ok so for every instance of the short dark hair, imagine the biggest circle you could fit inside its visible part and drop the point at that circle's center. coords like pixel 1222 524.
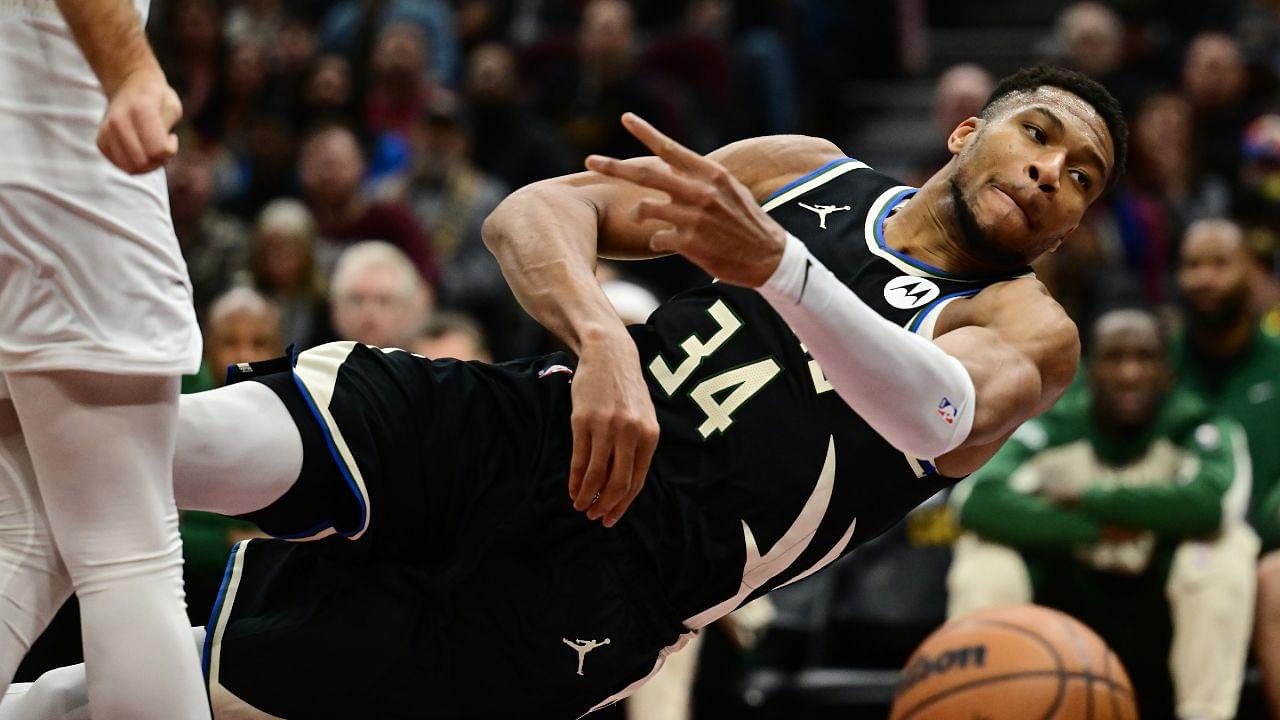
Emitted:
pixel 1088 89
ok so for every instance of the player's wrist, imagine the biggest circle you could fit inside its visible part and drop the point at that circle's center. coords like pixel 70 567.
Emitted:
pixel 788 278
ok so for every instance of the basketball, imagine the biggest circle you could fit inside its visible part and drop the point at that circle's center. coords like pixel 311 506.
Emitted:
pixel 1014 662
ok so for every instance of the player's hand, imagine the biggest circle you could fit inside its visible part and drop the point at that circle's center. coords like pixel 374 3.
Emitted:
pixel 136 133
pixel 615 428
pixel 714 221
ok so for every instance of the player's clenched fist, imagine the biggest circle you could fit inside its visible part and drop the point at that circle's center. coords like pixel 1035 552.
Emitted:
pixel 136 133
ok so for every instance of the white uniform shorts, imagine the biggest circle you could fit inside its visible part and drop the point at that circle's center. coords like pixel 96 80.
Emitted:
pixel 91 277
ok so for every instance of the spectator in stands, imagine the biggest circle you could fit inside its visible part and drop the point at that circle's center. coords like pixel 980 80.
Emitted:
pixel 377 296
pixel 1216 81
pixel 215 245
pixel 285 268
pixel 1125 507
pixel 1163 192
pixel 241 326
pixel 451 335
pixel 331 168
pixel 400 86
pixel 191 52
pixel 960 93
pixel 509 141
pixel 348 19
pixel 1091 39
pixel 586 97
pixel 1226 359
pixel 327 93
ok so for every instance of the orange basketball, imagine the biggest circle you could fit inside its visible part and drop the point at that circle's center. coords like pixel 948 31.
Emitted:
pixel 1014 662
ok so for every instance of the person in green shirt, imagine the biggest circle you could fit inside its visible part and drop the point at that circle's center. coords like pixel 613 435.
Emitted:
pixel 1124 506
pixel 1225 358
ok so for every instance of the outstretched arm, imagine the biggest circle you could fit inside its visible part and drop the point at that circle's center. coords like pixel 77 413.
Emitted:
pixel 143 108
pixel 547 236
pixel 969 390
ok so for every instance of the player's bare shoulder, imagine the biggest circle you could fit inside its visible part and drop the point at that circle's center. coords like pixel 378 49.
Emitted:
pixel 766 163
pixel 1023 313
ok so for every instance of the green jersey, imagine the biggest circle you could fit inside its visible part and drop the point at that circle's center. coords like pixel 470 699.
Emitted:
pixel 1185 476
pixel 1247 390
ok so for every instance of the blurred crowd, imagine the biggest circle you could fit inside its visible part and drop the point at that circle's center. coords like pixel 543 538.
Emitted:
pixel 340 156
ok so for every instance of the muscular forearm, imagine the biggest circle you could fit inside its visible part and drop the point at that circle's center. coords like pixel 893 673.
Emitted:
pixel 545 242
pixel 110 34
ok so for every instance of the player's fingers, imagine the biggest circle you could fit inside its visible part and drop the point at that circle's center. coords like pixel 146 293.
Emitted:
pixel 639 471
pixel 581 455
pixel 668 240
pixel 152 133
pixel 619 483
pixel 668 212
pixel 597 467
pixel 111 147
pixel 126 138
pixel 664 147
pixel 649 173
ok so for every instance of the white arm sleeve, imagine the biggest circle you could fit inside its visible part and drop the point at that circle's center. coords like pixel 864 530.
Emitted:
pixel 908 389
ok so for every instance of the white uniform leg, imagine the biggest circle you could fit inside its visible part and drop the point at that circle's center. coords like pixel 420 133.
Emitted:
pixel 103 456
pixel 984 574
pixel 33 581
pixel 60 694
pixel 1211 588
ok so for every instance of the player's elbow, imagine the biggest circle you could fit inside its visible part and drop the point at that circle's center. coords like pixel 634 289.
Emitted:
pixel 1011 396
pixel 1058 364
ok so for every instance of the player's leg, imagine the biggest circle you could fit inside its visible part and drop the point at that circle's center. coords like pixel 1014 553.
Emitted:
pixel 984 574
pixel 33 581
pixel 104 464
pixel 59 694
pixel 1266 635
pixel 238 450
pixel 1211 595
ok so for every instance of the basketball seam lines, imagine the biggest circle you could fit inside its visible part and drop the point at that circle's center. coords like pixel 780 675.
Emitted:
pixel 1053 651
pixel 1062 675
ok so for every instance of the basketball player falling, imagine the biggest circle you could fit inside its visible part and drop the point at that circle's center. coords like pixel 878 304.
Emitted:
pixel 96 325
pixel 847 366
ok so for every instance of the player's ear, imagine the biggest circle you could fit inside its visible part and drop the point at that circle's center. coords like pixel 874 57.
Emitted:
pixel 963 134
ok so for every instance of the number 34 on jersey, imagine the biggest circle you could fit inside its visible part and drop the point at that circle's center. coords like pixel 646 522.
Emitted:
pixel 720 395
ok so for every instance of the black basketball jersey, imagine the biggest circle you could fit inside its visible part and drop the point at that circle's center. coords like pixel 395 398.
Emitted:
pixel 763 474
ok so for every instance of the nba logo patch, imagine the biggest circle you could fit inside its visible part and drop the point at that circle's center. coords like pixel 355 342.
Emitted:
pixel 947 411
pixel 554 369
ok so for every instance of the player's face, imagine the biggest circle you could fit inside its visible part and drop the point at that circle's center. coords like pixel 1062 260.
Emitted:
pixel 1025 176
pixel 1213 275
pixel 241 337
pixel 1128 369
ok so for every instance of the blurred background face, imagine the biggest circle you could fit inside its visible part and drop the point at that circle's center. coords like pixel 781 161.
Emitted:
pixel 196 27
pixel 330 167
pixel 246 70
pixel 1161 132
pixel 286 260
pixel 328 89
pixel 1213 274
pixel 241 336
pixel 1213 73
pixel 400 55
pixel 962 91
pixel 190 178
pixel 377 306
pixel 453 344
pixel 1021 183
pixel 1092 37
pixel 491 74
pixel 606 35
pixel 1128 370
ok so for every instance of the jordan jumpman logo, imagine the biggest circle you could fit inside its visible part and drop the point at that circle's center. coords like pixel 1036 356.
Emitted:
pixel 823 211
pixel 582 647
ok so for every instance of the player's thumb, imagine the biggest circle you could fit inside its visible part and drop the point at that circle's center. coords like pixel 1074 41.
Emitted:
pixel 171 145
pixel 170 109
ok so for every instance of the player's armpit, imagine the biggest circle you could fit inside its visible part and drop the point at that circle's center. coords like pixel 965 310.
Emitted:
pixel 1021 351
